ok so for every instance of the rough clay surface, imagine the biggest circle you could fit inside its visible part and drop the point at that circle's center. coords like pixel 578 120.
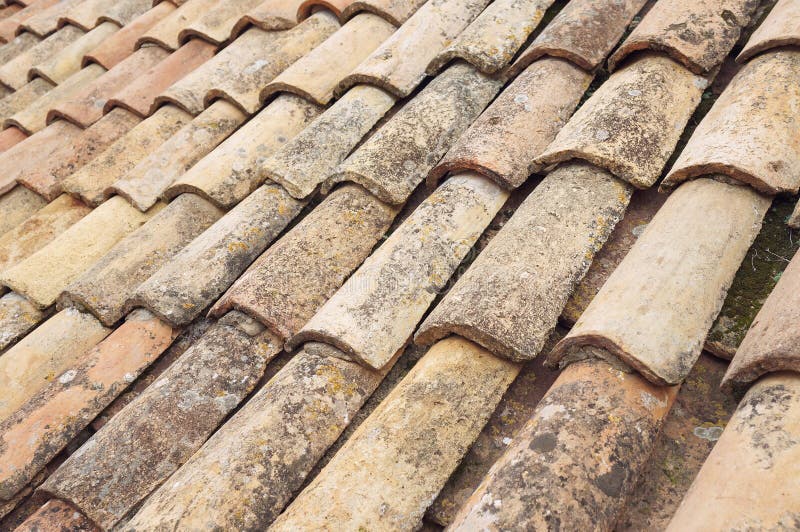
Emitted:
pixel 23 97
pixel 281 432
pixel 393 466
pixel 287 284
pixel 156 433
pixel 401 153
pixel 757 459
pixel 376 311
pixel 574 463
pixel 398 65
pixel 492 40
pixel 584 33
pixel 17 317
pixel 697 34
pixel 234 169
pixel 631 124
pixel 504 141
pixel 781 28
pixel 510 298
pixel 395 11
pixel 67 61
pixel 165 33
pixel 270 15
pixel 216 25
pixel 217 257
pixel 751 132
pixel 656 319
pixel 14 73
pixel 314 154
pixel 57 516
pixel 106 286
pixel 17 206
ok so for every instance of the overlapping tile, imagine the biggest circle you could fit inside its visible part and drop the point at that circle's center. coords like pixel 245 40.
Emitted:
pixel 14 73
pixel 320 71
pixel 92 13
pixel 23 97
pixel 309 6
pixel 698 34
pixel 67 61
pixel 45 22
pixel 216 25
pixel 9 26
pixel 165 33
pixel 270 15
pixel 18 45
pixel 56 515
pixel 8 139
pixel 781 28
pixel 398 65
pixel 233 170
pixel 491 40
pixel 18 317
pixel 392 162
pixel 18 205
pixel 395 11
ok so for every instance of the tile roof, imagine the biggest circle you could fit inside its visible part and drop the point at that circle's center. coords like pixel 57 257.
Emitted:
pixel 283 264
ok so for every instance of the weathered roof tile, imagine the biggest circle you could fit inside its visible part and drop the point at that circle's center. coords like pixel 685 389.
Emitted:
pixel 9 138
pixel 55 516
pixel 310 6
pixel 45 22
pixel 165 33
pixel 14 73
pixel 60 66
pixel 18 317
pixel 216 25
pixel 17 205
pixel 11 25
pixel 92 13
pixel 22 98
pixel 20 44
pixel 395 11
pixel 781 28
pixel 270 15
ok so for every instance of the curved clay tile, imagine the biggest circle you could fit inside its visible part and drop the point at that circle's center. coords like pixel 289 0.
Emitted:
pixel 123 12
pixel 58 515
pixel 401 153
pixel 631 124
pixel 123 43
pixel 42 276
pixel 165 33
pixel 19 316
pixel 85 107
pixel 308 7
pixel 697 34
pixel 10 26
pixel 372 316
pixel 67 61
pixel 217 24
pixel 269 15
pixel 140 95
pixel 398 65
pixel 772 343
pixel 233 170
pixel 14 73
pixel 46 176
pixel 492 40
pixel 751 132
pixel 750 478
pixel 22 98
pixel 315 75
pixel 18 205
pixel 151 437
pixel 50 349
pixel 221 485
pixel 504 141
pixel 48 421
pixel 510 298
pixel 308 159
pixel 656 319
pixel 288 283
pixel 91 182
pixel 20 44
pixel 239 72
pixel 9 138
pixel 91 13
pixel 9 10
pixel 37 148
pixel 45 22
pixel 578 458
pixel 145 183
pixel 584 32
pixel 394 11
pixel 449 394
pixel 781 28
pixel 217 257
pixel 104 288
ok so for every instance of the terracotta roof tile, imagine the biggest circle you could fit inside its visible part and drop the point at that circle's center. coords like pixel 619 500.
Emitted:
pixel 216 25
pixel 9 138
pixel 44 355
pixel 584 32
pixel 68 60
pixel 233 169
pixel 217 257
pixel 504 141
pixel 45 22
pixel 755 460
pixel 123 12
pixel 394 11
pixel 92 13
pixel 663 337
pixel 22 98
pixel 399 156
pixel 491 40
pixel 42 276
pixel 8 10
pixel 20 44
pixel 17 205
pixel 697 34
pixel 165 33
pixel 398 65
pixel 55 516
pixel 750 133
pixel 243 69
pixel 365 484
pixel 317 255
pixel 310 6
pixel 105 287
pixel 86 106
pixel 308 159
pixel 631 124
pixel 10 25
pixel 14 73
pixel 510 298
pixel 270 15
pixel 122 44
pixel 46 176
pixel 781 28
pixel 175 416
pixel 315 75
pixel 139 96
pixel 18 317
pixel 146 181
pixel 593 410
pixel 91 182
pixel 54 415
